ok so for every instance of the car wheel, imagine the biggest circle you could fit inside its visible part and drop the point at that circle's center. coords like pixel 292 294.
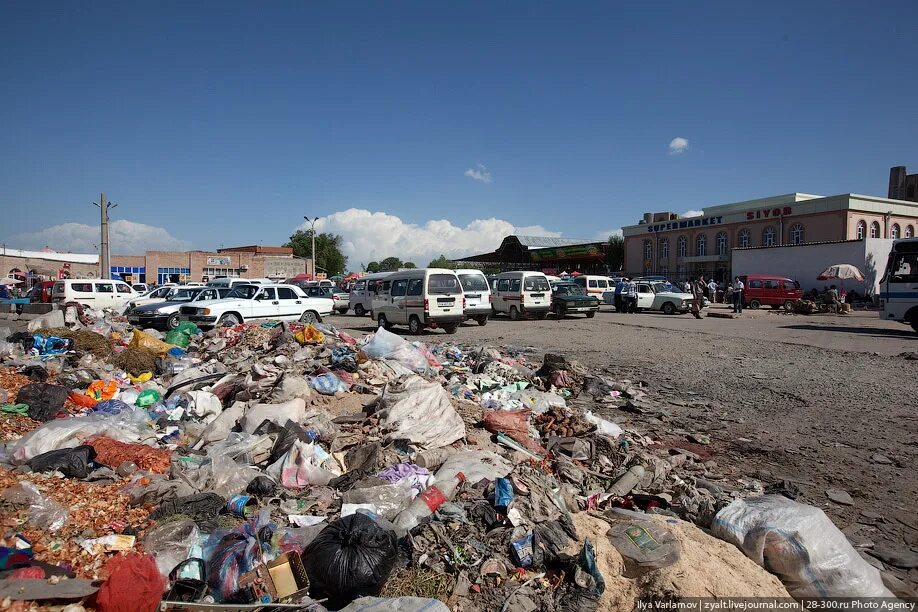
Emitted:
pixel 382 322
pixel 754 304
pixel 451 328
pixel 342 311
pixel 309 317
pixel 229 320
pixel 591 314
pixel 558 311
pixel 482 321
pixel 359 310
pixel 414 325
pixel 514 313
pixel 173 321
pixel 788 305
pixel 669 308
pixel 914 325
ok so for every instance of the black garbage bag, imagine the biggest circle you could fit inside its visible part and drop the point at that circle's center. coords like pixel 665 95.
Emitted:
pixel 200 507
pixel 262 486
pixel 588 585
pixel 24 339
pixel 71 462
pixel 44 400
pixel 36 373
pixel 350 558
pixel 76 379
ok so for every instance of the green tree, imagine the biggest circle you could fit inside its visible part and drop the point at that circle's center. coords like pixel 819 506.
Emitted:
pixel 329 257
pixel 615 253
pixel 409 264
pixel 442 262
pixel 372 267
pixel 390 263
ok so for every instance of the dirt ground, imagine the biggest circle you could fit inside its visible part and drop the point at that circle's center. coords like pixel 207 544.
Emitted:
pixel 823 401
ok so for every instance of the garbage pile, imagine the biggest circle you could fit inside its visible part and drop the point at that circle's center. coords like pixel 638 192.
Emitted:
pixel 281 462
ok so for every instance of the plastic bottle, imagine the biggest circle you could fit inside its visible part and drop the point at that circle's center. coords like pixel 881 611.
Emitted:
pixel 624 485
pixel 433 458
pixel 428 501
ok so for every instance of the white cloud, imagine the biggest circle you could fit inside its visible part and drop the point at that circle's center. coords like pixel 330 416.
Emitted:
pixel 479 173
pixel 373 236
pixel 127 238
pixel 604 234
pixel 693 213
pixel 678 145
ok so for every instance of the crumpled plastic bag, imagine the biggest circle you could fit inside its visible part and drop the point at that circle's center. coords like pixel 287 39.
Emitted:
pixel 388 499
pixel 538 401
pixel 303 465
pixel 328 384
pixel 292 410
pixel 386 345
pixel 142 339
pixel 799 544
pixel 204 405
pixel 395 604
pixel 309 335
pixel 44 400
pixel 421 412
pixel 170 543
pixel 100 390
pixel 44 512
pixel 71 462
pixel 514 423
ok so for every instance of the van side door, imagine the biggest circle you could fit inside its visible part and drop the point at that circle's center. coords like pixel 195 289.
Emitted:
pixel 414 299
pixel 398 297
pixel 380 298
pixel 500 299
pixel 105 294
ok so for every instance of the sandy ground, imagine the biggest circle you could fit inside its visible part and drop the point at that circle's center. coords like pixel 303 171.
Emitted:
pixel 824 401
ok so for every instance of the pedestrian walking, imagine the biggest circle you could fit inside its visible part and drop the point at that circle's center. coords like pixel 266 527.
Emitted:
pixel 698 288
pixel 738 288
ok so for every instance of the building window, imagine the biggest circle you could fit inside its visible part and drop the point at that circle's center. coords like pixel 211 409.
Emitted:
pixel 648 250
pixel 768 236
pixel 213 273
pixel 701 245
pixel 171 275
pixel 909 231
pixel 664 249
pixel 894 232
pixel 861 230
pixel 745 238
pixel 796 234
pixel 874 230
pixel 722 243
pixel 683 246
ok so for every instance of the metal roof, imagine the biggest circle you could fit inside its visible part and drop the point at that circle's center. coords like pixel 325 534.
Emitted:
pixel 547 242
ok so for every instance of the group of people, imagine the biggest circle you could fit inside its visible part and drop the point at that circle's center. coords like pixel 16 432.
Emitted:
pixel 626 296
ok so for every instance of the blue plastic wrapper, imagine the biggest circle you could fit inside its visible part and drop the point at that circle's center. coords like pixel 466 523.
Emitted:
pixel 503 493
pixel 523 549
pixel 328 384
pixel 111 406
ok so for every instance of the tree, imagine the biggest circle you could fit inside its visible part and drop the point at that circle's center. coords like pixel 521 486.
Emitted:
pixel 442 262
pixel 615 253
pixel 390 263
pixel 372 267
pixel 329 257
pixel 410 265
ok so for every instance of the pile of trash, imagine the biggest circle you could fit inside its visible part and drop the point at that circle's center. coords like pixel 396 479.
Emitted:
pixel 289 463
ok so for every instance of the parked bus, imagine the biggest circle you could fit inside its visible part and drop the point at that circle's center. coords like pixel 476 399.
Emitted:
pixel 899 285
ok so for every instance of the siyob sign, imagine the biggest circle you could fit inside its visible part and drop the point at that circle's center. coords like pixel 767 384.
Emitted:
pixel 767 213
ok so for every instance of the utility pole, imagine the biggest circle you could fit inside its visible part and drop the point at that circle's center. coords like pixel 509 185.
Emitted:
pixel 104 252
pixel 312 224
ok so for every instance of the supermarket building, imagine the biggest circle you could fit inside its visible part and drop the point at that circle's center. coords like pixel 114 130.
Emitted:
pixel 679 247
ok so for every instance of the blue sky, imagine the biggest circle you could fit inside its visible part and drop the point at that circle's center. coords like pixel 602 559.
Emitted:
pixel 223 122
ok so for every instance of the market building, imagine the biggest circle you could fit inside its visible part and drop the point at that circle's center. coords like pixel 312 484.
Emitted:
pixel 543 253
pixel 678 247
pixel 159 267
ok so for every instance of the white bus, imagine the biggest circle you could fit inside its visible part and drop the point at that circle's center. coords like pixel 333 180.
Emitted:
pixel 899 285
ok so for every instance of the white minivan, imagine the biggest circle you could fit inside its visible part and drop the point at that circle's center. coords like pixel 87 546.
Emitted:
pixel 228 282
pixel 477 295
pixel 366 287
pixel 422 298
pixel 594 285
pixel 521 294
pixel 95 293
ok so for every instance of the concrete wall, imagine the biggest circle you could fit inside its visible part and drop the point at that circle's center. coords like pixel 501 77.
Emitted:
pixel 804 263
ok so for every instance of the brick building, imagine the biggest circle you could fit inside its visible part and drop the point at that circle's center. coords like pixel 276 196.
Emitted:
pixel 667 244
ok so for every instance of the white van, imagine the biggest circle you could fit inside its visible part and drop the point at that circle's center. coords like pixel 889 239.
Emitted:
pixel 366 287
pixel 477 295
pixel 898 295
pixel 521 294
pixel 228 282
pixel 95 293
pixel 427 297
pixel 594 285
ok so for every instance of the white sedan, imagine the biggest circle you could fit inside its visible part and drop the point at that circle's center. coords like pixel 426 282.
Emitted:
pixel 258 303
pixel 657 295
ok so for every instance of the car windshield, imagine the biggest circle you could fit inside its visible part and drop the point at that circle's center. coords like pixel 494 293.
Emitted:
pixel 245 292
pixel 536 283
pixel 443 283
pixel 473 282
pixel 568 290
pixel 184 295
pixel 665 288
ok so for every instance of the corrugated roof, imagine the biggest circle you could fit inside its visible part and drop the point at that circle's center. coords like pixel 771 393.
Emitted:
pixel 87 258
pixel 547 242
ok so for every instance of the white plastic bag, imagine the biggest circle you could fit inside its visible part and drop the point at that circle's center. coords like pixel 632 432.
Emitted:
pixel 204 404
pixel 420 412
pixel 538 401
pixel 604 427
pixel 800 545
pixel 387 499
pixel 44 512
pixel 397 604
pixel 292 410
pixel 303 465
pixel 386 345
pixel 170 543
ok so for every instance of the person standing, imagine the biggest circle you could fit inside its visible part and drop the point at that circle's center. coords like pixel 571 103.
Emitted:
pixel 712 288
pixel 619 298
pixel 631 296
pixel 738 288
pixel 698 288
